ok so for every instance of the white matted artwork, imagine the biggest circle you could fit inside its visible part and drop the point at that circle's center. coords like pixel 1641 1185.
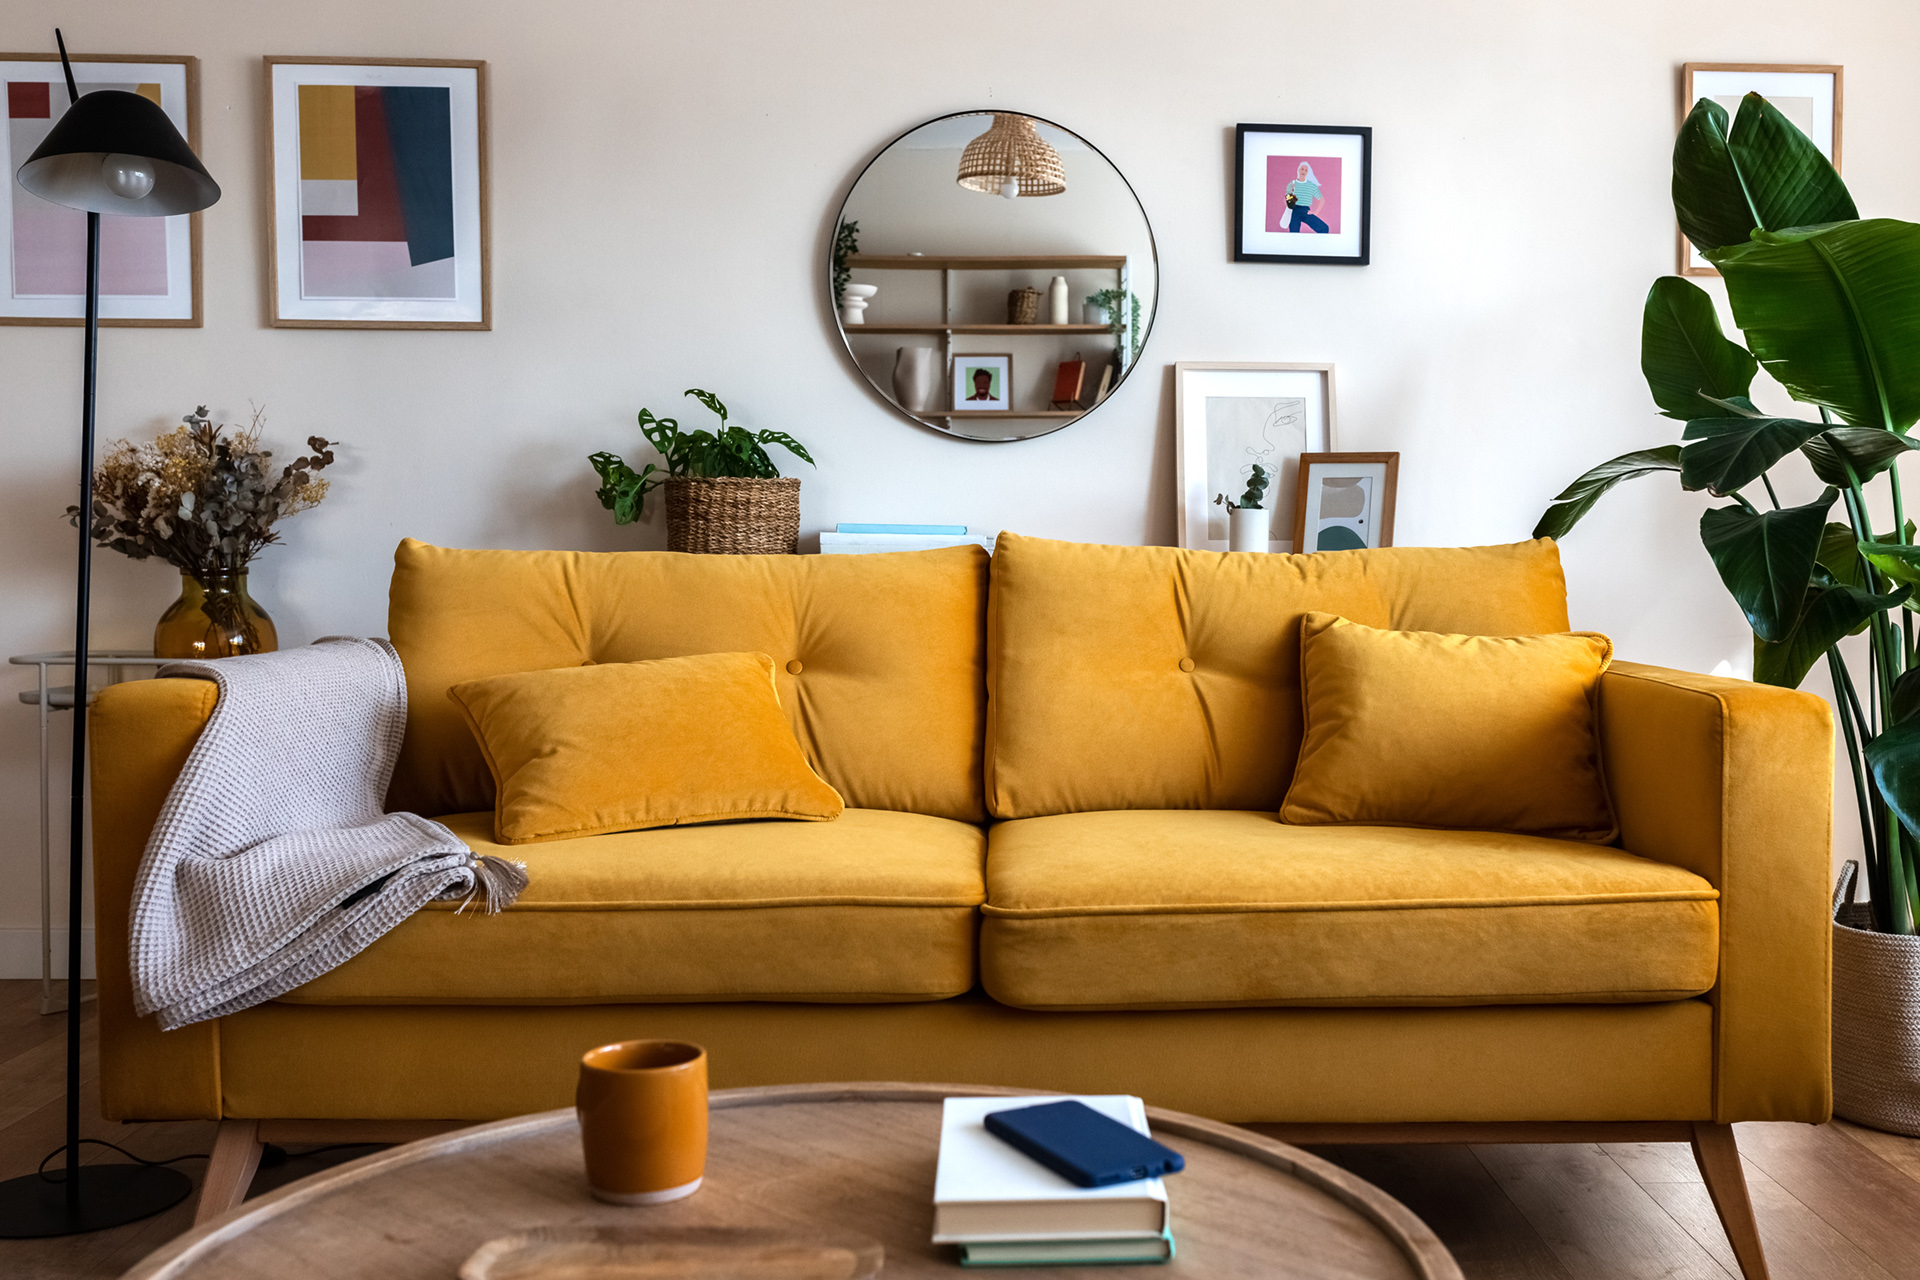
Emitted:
pixel 1302 193
pixel 1807 95
pixel 1345 501
pixel 1228 417
pixel 981 383
pixel 149 267
pixel 378 174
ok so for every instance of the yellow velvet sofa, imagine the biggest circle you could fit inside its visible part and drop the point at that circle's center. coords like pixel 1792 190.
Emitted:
pixel 1060 866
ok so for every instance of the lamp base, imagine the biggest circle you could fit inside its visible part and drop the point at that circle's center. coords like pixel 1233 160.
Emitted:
pixel 110 1195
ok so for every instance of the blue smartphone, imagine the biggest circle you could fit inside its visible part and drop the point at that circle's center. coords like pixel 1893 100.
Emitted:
pixel 1083 1146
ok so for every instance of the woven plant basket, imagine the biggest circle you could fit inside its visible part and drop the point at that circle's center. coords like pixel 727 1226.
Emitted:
pixel 734 517
pixel 1023 306
pixel 1876 1017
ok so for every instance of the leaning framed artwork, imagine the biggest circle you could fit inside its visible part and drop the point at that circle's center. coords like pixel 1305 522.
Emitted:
pixel 1809 95
pixel 378 208
pixel 1302 193
pixel 981 383
pixel 1345 501
pixel 1229 417
pixel 149 267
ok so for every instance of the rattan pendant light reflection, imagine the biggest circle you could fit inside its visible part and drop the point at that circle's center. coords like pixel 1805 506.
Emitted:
pixel 1011 159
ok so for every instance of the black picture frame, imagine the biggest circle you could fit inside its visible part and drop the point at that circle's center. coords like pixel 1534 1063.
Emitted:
pixel 1237 228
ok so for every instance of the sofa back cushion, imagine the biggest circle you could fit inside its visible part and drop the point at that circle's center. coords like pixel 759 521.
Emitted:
pixel 879 658
pixel 1156 678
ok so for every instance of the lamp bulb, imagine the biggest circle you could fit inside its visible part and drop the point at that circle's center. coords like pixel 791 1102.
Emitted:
pixel 1010 188
pixel 129 177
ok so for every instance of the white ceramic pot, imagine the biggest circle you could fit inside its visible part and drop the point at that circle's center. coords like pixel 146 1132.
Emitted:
pixel 913 370
pixel 1093 313
pixel 853 302
pixel 1057 301
pixel 1247 529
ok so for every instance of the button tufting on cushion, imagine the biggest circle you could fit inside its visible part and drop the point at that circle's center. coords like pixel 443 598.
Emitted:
pixel 795 667
pixel 1186 664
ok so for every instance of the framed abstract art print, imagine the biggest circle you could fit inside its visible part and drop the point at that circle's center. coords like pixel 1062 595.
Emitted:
pixel 1302 193
pixel 1230 417
pixel 1345 501
pixel 1808 95
pixel 149 267
pixel 377 171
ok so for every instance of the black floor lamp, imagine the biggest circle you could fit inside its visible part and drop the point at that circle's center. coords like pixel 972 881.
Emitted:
pixel 112 152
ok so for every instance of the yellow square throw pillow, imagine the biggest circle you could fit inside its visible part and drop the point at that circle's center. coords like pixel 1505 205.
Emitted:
pixel 580 751
pixel 1483 733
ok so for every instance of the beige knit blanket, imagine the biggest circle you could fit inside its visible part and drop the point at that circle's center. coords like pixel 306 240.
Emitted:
pixel 273 859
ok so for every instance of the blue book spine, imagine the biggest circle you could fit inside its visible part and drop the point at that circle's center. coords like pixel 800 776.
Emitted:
pixel 952 530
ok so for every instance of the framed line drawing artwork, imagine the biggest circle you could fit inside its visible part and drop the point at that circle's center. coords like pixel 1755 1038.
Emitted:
pixel 1345 501
pixel 377 184
pixel 149 267
pixel 981 383
pixel 1228 417
pixel 1302 193
pixel 1808 95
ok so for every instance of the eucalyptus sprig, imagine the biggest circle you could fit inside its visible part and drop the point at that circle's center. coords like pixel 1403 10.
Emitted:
pixel 730 452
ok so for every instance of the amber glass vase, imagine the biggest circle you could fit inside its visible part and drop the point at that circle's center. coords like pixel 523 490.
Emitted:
pixel 213 618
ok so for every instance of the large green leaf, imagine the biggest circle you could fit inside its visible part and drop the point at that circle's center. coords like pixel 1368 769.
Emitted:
pixel 1869 450
pixel 1708 197
pixel 1787 179
pixel 1839 555
pixel 1766 559
pixel 1895 562
pixel 1684 354
pixel 1833 312
pixel 1830 613
pixel 1895 759
pixel 1728 454
pixel 1578 498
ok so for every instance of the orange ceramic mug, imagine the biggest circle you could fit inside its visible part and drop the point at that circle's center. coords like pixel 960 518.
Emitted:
pixel 643 1120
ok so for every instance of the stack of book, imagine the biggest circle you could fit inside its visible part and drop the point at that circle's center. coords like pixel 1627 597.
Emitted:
pixel 1003 1208
pixel 863 539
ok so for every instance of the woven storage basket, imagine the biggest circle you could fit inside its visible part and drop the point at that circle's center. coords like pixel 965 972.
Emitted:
pixel 1876 1017
pixel 1023 306
pixel 734 517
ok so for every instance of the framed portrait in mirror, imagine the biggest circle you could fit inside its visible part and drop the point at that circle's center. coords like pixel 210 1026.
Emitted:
pixel 1345 501
pixel 1230 418
pixel 1302 193
pixel 981 383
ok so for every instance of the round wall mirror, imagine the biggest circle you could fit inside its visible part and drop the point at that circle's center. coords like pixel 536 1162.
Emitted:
pixel 993 275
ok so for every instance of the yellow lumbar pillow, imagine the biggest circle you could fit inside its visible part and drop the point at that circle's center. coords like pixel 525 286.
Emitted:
pixel 580 751
pixel 1418 729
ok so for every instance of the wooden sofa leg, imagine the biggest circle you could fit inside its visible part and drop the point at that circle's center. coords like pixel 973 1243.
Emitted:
pixel 1718 1156
pixel 236 1155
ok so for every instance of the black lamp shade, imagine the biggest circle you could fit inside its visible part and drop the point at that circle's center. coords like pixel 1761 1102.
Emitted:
pixel 66 169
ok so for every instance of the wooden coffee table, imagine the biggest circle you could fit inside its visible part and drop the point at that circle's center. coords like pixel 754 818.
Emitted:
pixel 836 1157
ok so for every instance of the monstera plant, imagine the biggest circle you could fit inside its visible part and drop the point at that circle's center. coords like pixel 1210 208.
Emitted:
pixel 1829 303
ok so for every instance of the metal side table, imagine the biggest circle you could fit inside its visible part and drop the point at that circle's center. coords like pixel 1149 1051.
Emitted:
pixel 50 698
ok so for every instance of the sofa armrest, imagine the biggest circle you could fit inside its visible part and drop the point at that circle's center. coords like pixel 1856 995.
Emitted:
pixel 142 732
pixel 1734 781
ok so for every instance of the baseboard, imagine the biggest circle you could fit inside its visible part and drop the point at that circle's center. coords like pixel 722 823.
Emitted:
pixel 20 953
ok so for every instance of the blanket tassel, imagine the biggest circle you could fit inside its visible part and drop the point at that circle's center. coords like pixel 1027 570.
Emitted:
pixel 496 882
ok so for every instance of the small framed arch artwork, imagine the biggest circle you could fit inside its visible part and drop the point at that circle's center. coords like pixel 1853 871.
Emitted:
pixel 1345 501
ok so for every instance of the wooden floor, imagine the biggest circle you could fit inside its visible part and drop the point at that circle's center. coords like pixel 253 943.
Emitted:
pixel 1834 1203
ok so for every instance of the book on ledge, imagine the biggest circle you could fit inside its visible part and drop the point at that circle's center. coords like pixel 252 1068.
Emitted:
pixel 986 1192
pixel 951 530
pixel 1066 1253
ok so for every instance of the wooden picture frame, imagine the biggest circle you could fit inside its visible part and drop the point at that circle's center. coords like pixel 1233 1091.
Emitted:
pixel 1230 414
pixel 957 396
pixel 1337 163
pixel 467 227
pixel 1770 80
pixel 1376 478
pixel 44 309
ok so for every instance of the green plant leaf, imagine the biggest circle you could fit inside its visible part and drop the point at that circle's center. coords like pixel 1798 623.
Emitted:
pixel 1684 354
pixel 1839 555
pixel 710 400
pixel 1895 562
pixel 1833 312
pixel 1786 177
pixel 1766 559
pixel 1895 759
pixel 1870 450
pixel 1906 694
pixel 1708 197
pixel 788 443
pixel 1830 613
pixel 1728 454
pixel 1578 498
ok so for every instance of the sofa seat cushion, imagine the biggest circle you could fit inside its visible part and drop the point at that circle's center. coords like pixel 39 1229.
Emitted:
pixel 875 906
pixel 1145 909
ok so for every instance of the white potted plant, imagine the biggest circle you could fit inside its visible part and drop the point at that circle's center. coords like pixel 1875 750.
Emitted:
pixel 1247 519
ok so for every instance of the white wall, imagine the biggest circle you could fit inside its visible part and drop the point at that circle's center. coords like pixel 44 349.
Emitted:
pixel 665 180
